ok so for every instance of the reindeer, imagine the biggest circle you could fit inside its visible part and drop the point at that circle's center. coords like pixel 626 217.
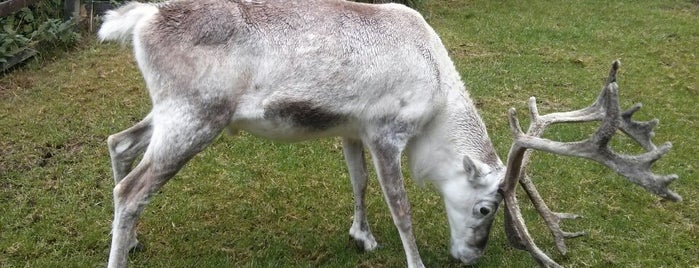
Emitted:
pixel 376 75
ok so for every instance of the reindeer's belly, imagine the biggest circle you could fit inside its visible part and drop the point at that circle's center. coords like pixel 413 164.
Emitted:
pixel 293 121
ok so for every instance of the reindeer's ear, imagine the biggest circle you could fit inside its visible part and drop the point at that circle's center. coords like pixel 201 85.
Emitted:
pixel 473 169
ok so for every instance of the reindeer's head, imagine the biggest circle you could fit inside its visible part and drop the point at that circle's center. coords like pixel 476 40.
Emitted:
pixel 472 195
pixel 474 192
pixel 474 188
pixel 471 202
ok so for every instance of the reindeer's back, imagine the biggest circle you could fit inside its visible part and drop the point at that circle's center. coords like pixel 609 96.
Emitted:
pixel 357 60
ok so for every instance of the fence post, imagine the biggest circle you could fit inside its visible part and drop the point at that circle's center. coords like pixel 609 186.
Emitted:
pixel 71 9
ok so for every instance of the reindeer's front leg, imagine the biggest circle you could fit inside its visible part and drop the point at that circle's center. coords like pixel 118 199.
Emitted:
pixel 386 151
pixel 354 157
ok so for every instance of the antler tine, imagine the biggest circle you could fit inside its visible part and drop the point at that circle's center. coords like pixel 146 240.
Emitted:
pixel 515 227
pixel 641 132
pixel 552 219
pixel 612 72
pixel 536 128
pixel 596 111
pixel 636 168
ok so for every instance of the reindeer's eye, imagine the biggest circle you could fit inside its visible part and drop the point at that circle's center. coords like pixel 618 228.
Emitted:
pixel 484 208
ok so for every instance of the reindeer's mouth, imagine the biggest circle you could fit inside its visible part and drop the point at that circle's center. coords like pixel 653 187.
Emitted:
pixel 468 257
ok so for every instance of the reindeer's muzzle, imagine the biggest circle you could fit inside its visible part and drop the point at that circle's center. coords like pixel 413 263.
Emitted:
pixel 467 256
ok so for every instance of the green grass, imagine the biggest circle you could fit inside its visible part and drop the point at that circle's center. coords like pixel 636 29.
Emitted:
pixel 246 202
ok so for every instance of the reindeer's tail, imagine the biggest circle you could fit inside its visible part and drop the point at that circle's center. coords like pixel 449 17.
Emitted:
pixel 119 24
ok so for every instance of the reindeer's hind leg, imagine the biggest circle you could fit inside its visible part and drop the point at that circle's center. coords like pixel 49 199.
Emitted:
pixel 125 146
pixel 177 135
pixel 354 157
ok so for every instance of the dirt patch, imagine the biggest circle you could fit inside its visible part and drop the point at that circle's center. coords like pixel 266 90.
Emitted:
pixel 11 84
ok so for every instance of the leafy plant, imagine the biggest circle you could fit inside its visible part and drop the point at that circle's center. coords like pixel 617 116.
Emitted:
pixel 34 27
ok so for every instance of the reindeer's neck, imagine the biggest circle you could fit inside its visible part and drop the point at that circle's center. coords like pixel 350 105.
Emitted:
pixel 456 131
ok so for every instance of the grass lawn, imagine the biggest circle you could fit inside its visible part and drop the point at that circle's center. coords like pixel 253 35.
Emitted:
pixel 247 202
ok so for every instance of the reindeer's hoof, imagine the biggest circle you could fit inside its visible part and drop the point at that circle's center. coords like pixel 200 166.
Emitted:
pixel 137 248
pixel 364 245
pixel 362 237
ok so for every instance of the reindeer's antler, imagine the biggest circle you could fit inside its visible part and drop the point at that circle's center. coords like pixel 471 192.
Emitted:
pixel 636 168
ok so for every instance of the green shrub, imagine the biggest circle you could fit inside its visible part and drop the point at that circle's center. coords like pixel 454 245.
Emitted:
pixel 38 26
